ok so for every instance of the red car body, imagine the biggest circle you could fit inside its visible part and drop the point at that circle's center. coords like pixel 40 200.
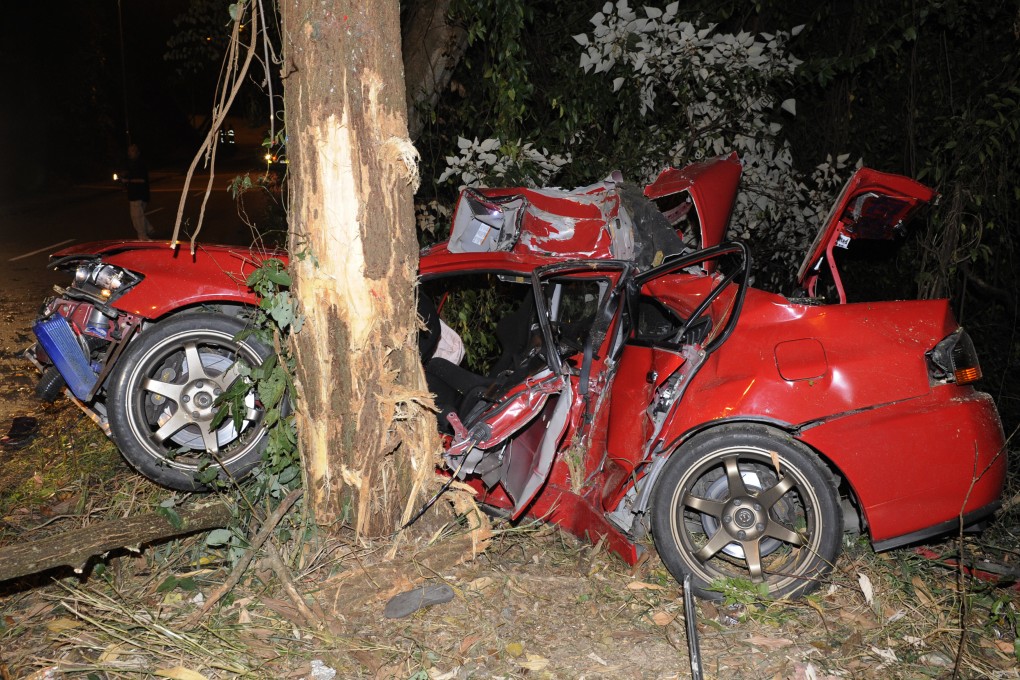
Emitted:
pixel 676 352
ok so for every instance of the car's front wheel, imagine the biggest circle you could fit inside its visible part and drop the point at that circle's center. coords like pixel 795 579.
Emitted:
pixel 747 502
pixel 163 400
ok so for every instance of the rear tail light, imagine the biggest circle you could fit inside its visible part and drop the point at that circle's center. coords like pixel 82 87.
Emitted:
pixel 954 360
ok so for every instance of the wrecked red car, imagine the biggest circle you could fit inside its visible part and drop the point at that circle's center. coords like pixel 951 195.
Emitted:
pixel 624 379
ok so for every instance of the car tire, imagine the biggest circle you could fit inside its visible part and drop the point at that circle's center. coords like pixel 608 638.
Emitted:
pixel 155 377
pixel 720 510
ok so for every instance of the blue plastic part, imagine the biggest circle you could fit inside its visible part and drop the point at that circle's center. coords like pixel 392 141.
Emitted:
pixel 61 346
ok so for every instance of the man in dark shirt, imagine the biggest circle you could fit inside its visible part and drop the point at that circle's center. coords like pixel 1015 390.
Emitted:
pixel 136 181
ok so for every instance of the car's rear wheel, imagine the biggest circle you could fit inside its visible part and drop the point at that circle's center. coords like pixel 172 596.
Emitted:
pixel 162 401
pixel 747 502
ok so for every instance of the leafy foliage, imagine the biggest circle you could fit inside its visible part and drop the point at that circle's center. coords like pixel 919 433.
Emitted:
pixel 643 89
pixel 272 322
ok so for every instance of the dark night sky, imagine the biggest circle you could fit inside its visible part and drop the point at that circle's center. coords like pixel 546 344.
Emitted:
pixel 63 109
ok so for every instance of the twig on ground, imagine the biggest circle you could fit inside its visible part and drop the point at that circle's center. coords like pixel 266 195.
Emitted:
pixel 282 573
pixel 242 564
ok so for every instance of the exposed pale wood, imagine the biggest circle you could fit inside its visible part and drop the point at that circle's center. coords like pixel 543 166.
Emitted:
pixel 367 438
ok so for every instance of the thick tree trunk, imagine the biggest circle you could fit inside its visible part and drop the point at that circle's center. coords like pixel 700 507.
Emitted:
pixel 432 48
pixel 367 442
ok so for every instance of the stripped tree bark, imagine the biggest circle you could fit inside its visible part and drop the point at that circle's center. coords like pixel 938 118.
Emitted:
pixel 367 437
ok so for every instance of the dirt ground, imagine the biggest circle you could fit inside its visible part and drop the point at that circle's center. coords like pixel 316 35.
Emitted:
pixel 537 604
pixel 19 303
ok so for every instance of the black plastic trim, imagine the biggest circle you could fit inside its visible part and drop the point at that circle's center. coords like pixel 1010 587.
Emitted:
pixel 938 529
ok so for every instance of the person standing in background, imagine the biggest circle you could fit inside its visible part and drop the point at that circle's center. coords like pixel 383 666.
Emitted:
pixel 136 181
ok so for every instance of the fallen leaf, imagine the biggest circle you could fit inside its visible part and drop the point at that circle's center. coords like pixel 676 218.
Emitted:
pixel 775 462
pixel 516 588
pixel 936 659
pixel 922 592
pixel 816 606
pixel 172 598
pixel 61 624
pixel 642 585
pixel 112 652
pixel 914 641
pixel 179 673
pixel 534 662
pixel 663 618
pixel 515 649
pixel 866 588
pixel 893 615
pixel 467 643
pixel 767 642
pixel 1004 646
pixel 709 610
pixel 366 659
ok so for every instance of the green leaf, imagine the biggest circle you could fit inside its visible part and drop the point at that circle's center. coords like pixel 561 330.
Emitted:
pixel 279 277
pixel 171 516
pixel 218 537
pixel 207 475
pixel 289 474
pixel 168 584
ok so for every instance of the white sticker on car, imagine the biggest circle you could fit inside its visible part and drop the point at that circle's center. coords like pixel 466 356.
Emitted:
pixel 481 234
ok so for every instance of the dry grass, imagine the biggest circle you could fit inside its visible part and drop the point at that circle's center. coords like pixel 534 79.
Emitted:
pixel 536 604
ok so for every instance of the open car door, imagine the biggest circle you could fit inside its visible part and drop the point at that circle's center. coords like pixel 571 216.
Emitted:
pixel 680 313
pixel 512 435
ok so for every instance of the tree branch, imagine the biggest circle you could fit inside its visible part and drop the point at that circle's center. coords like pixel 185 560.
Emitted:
pixel 75 548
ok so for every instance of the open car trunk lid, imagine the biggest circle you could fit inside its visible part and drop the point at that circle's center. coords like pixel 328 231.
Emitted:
pixel 872 205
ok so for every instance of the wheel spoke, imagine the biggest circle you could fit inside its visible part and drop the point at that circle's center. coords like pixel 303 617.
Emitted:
pixel 733 478
pixel 195 368
pixel 704 505
pixel 772 496
pixel 169 390
pixel 227 378
pixel 719 541
pixel 212 444
pixel 777 530
pixel 177 421
pixel 753 558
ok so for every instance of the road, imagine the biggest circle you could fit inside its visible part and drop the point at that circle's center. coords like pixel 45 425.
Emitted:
pixel 32 229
